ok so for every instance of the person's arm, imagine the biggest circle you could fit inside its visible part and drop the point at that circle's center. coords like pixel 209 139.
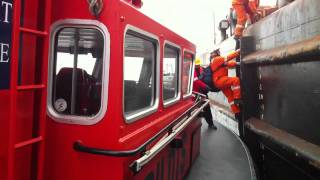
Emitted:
pixel 200 84
pixel 196 81
pixel 231 63
pixel 233 55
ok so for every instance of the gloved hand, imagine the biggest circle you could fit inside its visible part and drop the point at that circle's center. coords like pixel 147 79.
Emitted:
pixel 231 63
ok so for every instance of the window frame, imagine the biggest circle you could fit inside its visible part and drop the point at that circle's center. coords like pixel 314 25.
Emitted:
pixel 171 101
pixel 76 119
pixel 186 51
pixel 141 113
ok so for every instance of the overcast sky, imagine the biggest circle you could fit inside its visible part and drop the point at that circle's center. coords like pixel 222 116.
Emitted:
pixel 192 19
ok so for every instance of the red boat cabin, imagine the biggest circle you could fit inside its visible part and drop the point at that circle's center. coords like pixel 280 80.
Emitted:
pixel 94 91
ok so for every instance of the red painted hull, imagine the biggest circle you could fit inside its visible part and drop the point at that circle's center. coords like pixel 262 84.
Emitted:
pixel 112 132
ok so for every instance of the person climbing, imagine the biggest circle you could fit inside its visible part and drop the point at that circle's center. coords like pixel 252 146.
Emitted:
pixel 244 8
pixel 200 87
pixel 230 86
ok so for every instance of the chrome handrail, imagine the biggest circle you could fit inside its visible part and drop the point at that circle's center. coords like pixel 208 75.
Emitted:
pixel 149 154
pixel 81 147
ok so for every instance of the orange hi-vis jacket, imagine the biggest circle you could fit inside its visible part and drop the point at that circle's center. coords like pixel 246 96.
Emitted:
pixel 220 65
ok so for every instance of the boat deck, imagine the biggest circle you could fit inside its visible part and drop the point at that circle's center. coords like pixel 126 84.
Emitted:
pixel 223 156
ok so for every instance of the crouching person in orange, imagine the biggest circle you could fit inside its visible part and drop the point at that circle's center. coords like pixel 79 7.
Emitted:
pixel 230 86
pixel 242 8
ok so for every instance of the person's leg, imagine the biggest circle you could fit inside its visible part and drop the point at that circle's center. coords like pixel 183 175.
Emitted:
pixel 230 82
pixel 208 117
pixel 235 86
pixel 250 14
pixel 229 94
pixel 241 19
pixel 225 83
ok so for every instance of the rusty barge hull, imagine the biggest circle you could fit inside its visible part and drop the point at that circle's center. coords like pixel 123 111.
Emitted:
pixel 280 62
pixel 281 92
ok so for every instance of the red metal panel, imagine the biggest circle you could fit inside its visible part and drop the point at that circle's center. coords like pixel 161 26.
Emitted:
pixel 4 133
pixel 195 144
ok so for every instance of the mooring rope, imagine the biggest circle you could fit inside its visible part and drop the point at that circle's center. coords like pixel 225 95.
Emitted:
pixel 95 7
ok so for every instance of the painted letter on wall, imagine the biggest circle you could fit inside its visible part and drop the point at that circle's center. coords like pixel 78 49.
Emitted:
pixel 6 7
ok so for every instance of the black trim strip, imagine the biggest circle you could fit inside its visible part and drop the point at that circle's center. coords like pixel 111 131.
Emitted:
pixel 80 147
pixel 299 148
pixel 297 52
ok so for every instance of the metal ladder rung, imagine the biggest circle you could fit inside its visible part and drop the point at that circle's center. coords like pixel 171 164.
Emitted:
pixel 31 87
pixel 32 31
pixel 28 142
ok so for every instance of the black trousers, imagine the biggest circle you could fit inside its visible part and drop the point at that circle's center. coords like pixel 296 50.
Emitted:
pixel 206 113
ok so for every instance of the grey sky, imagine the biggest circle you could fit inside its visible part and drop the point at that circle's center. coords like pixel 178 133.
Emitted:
pixel 192 19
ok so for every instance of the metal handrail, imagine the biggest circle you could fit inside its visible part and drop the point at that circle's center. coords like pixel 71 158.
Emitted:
pixel 148 155
pixel 80 147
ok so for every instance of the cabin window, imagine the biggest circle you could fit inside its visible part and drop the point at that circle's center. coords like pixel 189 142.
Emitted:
pixel 139 70
pixel 77 74
pixel 170 74
pixel 187 74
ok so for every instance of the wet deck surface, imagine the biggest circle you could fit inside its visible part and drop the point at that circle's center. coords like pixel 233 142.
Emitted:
pixel 222 157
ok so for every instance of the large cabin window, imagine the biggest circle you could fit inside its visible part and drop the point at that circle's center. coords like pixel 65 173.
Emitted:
pixel 140 56
pixel 187 73
pixel 170 74
pixel 76 74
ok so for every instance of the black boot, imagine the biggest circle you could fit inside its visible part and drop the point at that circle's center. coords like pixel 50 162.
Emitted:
pixel 212 126
pixel 237 116
pixel 208 117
